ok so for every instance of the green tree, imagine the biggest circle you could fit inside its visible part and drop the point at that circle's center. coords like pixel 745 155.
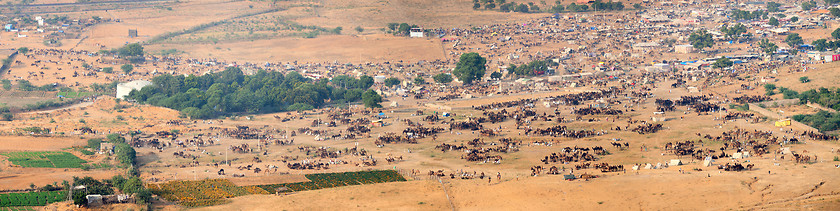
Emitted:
pixel 392 81
pixel 125 153
pixel 767 47
pixel 442 78
pixel 372 99
pixel 393 26
pixel 132 185
pixel 769 87
pixel 820 44
pixel 24 85
pixel 794 40
pixel 701 39
pixel 836 34
pixel 723 62
pixel 834 11
pixel 773 21
pixel 129 50
pixel 92 186
pixel 558 8
pixel 794 19
pixel 733 32
pixel 360 29
pixel 806 6
pixel 523 8
pixel 404 29
pixel 583 7
pixel 300 107
pixel 476 6
pixel 804 79
pixel 115 138
pixel 94 143
pixel 108 69
pixel 637 6
pixel 337 30
pixel 773 6
pixel 470 66
pixel 534 8
pixel 127 68
pixel 7 117
pixel 23 50
pixel 419 80
pixel 496 75
pixel 7 84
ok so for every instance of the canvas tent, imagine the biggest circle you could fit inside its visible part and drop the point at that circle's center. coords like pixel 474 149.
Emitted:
pixel 675 162
pixel 707 162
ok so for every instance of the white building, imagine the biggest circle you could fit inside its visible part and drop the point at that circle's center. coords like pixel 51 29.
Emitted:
pixel 684 49
pixel 416 32
pixel 124 88
pixel 379 79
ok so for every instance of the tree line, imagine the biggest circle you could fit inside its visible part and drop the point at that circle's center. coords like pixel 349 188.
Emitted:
pixel 558 7
pixel 230 92
pixel 823 120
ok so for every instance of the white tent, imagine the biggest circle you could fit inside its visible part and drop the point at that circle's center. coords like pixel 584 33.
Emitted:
pixel 708 161
pixel 675 162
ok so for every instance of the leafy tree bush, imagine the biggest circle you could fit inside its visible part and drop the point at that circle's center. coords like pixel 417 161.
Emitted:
pixel 125 153
pixel 773 21
pixel 470 67
pixel 496 75
pixel 723 62
pixel 392 81
pixel 94 143
pixel 300 107
pixel 115 138
pixel 7 84
pixel 231 91
pixel 442 78
pixel 372 99
pixel 804 79
pixel 822 120
pixel 133 49
pixel 127 68
pixel 701 39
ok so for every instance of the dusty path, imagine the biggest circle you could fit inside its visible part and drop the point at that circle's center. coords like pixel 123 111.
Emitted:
pixel 77 105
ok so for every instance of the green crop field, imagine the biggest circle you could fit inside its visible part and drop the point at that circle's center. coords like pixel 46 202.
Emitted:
pixel 329 180
pixel 21 201
pixel 45 159
pixel 17 209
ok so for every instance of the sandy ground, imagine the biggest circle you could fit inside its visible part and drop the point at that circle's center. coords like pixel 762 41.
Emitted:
pixel 27 143
pixel 654 191
pixel 342 49
pixel 775 183
pixel 414 195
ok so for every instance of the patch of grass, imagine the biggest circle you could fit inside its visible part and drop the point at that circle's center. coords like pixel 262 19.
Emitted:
pixel 45 159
